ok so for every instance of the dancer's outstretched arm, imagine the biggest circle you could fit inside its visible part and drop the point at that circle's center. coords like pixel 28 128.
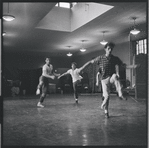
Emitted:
pixel 66 73
pixel 85 65
pixel 56 74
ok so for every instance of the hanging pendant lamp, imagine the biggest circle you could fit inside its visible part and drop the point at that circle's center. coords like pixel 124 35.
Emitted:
pixel 82 49
pixel 135 31
pixel 69 54
pixel 103 42
pixel 8 17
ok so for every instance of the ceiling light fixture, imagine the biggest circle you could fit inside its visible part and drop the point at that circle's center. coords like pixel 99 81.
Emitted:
pixel 82 49
pixel 103 42
pixel 8 17
pixel 134 31
pixel 69 54
pixel 4 33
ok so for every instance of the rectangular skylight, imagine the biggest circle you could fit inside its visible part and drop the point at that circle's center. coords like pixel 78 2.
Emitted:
pixel 64 5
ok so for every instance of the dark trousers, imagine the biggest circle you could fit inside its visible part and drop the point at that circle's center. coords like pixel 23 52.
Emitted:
pixel 75 88
pixel 43 86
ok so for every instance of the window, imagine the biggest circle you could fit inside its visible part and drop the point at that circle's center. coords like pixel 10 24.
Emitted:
pixel 141 47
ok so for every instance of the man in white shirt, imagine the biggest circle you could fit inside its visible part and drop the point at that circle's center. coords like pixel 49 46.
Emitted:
pixel 76 77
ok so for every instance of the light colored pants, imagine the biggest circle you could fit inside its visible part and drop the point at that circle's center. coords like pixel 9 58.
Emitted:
pixel 106 86
pixel 106 89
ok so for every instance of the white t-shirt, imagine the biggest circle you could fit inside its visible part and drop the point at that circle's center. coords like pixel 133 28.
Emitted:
pixel 75 74
pixel 48 69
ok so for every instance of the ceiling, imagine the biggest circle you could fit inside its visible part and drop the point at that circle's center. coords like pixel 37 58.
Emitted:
pixel 24 35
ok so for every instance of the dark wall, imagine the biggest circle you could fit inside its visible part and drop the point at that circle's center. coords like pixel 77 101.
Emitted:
pixel 27 68
pixel 14 62
pixel 33 61
pixel 141 76
pixel 29 80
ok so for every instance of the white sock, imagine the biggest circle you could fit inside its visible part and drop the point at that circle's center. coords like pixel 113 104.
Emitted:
pixel 106 111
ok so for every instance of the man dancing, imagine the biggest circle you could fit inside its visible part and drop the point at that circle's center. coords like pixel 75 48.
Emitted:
pixel 47 73
pixel 109 70
pixel 76 77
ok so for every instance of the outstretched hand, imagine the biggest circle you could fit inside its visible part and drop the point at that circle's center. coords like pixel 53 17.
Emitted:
pixel 92 61
pixel 53 77
pixel 59 76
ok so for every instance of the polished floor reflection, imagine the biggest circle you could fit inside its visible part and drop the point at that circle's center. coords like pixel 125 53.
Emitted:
pixel 62 122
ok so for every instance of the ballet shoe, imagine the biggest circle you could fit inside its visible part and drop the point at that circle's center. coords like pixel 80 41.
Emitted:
pixel 102 106
pixel 122 98
pixel 39 104
pixel 38 92
pixel 76 100
pixel 107 115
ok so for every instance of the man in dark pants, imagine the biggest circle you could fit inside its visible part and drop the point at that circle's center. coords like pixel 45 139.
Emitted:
pixel 76 77
pixel 47 73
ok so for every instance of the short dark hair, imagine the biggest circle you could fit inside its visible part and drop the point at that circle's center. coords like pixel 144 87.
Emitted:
pixel 74 63
pixel 47 58
pixel 111 45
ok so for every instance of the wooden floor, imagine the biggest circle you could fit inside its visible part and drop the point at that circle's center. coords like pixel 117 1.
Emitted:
pixel 62 122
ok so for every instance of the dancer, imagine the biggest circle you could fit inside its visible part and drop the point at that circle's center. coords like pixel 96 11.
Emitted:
pixel 109 66
pixel 47 73
pixel 76 77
